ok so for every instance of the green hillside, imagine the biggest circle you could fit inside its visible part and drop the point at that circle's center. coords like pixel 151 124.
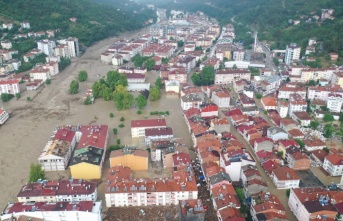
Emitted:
pixel 95 21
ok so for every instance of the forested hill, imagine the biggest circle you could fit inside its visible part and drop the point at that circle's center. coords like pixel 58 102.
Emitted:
pixel 271 18
pixel 95 21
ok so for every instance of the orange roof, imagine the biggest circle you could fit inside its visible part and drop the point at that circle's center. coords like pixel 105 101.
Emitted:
pixel 335 159
pixel 285 173
pixel 269 101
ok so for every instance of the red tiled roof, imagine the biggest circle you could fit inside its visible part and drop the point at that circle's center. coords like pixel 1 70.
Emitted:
pixel 93 135
pixel 64 134
pixel 149 123
pixel 335 159
pixel 181 158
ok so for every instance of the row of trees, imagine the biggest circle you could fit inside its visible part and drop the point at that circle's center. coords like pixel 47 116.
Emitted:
pixel 140 61
pixel 206 77
pixel 74 85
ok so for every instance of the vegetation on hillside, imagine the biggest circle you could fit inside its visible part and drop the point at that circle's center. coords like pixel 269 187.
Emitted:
pixel 95 21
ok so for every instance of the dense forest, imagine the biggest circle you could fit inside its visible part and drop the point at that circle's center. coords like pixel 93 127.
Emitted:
pixel 271 19
pixel 95 20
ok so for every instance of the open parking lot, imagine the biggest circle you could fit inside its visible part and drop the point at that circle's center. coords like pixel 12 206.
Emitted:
pixel 308 179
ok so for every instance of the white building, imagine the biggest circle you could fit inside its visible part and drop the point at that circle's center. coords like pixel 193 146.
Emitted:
pixel 322 93
pixel 3 116
pixel 62 51
pixel 73 44
pixel 46 46
pixel 276 133
pixel 238 55
pixel 40 73
pixel 61 211
pixel 190 100
pixel 292 53
pixel 285 92
pixel 172 87
pixel 285 178
pixel 6 44
pixel 158 133
pixel 228 76
pixel 282 108
pixel 9 86
pixel 333 164
pixel 138 126
pixel 221 98
pixel 57 152
pixel 58 191
pixel 25 25
pixel 296 104
pixel 334 102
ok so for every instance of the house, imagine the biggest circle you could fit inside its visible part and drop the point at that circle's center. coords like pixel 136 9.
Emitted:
pixel 71 211
pixel 303 117
pixel 333 164
pixel 172 87
pixel 106 57
pixel 285 178
pixel 221 98
pixel 255 186
pixel 314 144
pixel 296 159
pixel 319 114
pixel 337 78
pixel 220 125
pixel 10 86
pixel 191 209
pixel 157 133
pixel 269 103
pixel 249 172
pixel 89 154
pixel 191 100
pixel 34 85
pixel 181 159
pixel 208 110
pixel 262 143
pixel 238 86
pixel 246 100
pixel 288 124
pixel 73 190
pixel 130 157
pixel 138 126
pixel 121 186
pixel 58 150
pixel 6 44
pixel 296 104
pixel 318 157
pixel 3 116
pixel 177 74
pixel 225 196
pixel 263 203
pixel 285 144
pixel 315 202
pixel 25 25
pixel 276 133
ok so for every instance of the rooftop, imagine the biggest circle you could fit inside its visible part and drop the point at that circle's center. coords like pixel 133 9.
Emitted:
pixel 149 123
pixel 162 131
pixel 89 154
pixel 285 173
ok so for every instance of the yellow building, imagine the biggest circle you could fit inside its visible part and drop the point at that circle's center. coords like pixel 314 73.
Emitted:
pixel 135 159
pixel 87 163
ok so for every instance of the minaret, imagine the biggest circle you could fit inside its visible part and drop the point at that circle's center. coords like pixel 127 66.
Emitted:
pixel 255 44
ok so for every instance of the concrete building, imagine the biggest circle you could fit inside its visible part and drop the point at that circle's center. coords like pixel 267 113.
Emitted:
pixel 190 100
pixel 72 190
pixel 123 190
pixel 228 76
pixel 172 87
pixel 276 133
pixel 322 93
pixel 221 98
pixel 292 53
pixel 9 86
pixel 138 126
pixel 40 73
pixel 73 45
pixel 334 102
pixel 46 46
pixel 71 211
pixel 3 116
pixel 152 134
pixel 333 164
pixel 285 178
pixel 296 159
pixel 191 210
pixel 130 157
pixel 296 104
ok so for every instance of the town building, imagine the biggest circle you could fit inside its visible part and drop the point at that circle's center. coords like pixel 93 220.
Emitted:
pixel 72 190
pixel 191 100
pixel 130 157
pixel 60 211
pixel 9 86
pixel 282 108
pixel 333 164
pixel 123 190
pixel 302 117
pixel 296 104
pixel 312 144
pixel 292 53
pixel 285 178
pixel 152 134
pixel 138 126
pixel 3 116
pixel 46 46
pixel 296 159
pixel 322 93
pixel 269 103
pixel 334 102
pixel 40 73
pixel 228 76
pixel 191 209
pixel 172 87
pixel 265 204
pixel 221 98
pixel 284 92
pixel 276 133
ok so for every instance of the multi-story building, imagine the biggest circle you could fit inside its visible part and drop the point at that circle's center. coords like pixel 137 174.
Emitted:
pixel 285 178
pixel 123 190
pixel 285 92
pixel 138 126
pixel 3 116
pixel 228 76
pixel 314 203
pixel 130 157
pixel 296 104
pixel 152 134
pixel 72 190
pixel 40 73
pixel 191 100
pixel 221 98
pixel 302 117
pixel 292 53
pixel 60 211
pixel 322 93
pixel 333 164
pixel 312 144
pixel 238 55
pixel 172 87
pixel 269 103
pixel 282 108
pixel 73 45
pixel 62 51
pixel 296 159
pixel 57 152
pixel 191 209
pixel 46 46
pixel 337 78
pixel 334 102
pixel 264 203
pixel 9 86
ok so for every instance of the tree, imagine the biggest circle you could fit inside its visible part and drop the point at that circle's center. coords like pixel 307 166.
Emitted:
pixel 114 147
pixel 150 64
pixel 328 131
pixel 196 79
pixel 165 60
pixel 180 43
pixel 314 124
pixel 276 62
pixel 6 97
pixel 87 101
pixel 18 95
pixel 288 79
pixel 341 117
pixel 158 82
pixel 111 115
pixel 324 108
pixel 74 87
pixel 155 93
pixel 288 192
pixel 258 96
pixel 141 102
pixel 198 48
pixel 118 141
pixel 48 81
pixel 36 173
pixel 301 144
pixel 207 75
pixel 115 131
pixel 123 100
pixel 279 153
pixel 234 66
pixel 64 62
pixel 208 50
pixel 312 83
pixel 28 98
pixel 328 118
pixel 122 119
pixel 82 76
